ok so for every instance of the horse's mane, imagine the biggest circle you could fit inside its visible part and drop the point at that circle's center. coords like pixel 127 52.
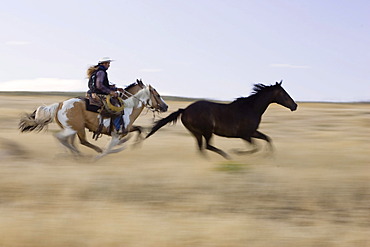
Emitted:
pixel 137 82
pixel 257 90
pixel 130 86
pixel 261 87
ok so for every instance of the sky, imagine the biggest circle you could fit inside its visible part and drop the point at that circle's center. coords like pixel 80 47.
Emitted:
pixel 215 49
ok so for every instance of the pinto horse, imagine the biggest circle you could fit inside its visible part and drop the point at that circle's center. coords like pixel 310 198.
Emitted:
pixel 72 116
pixel 238 119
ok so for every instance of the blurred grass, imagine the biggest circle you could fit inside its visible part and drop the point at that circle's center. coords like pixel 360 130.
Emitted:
pixel 315 191
pixel 231 166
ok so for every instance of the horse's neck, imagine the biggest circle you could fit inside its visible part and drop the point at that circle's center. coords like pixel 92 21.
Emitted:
pixel 262 101
pixel 137 100
pixel 137 105
pixel 135 114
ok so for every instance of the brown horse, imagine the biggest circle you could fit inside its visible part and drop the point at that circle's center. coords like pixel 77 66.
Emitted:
pixel 72 116
pixel 239 119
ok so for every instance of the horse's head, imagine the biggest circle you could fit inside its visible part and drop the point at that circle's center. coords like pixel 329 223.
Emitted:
pixel 283 98
pixel 146 93
pixel 155 101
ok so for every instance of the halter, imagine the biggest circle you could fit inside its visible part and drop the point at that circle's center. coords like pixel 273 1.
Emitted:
pixel 151 107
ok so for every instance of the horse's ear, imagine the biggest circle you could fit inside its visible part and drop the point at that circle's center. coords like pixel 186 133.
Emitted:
pixel 281 82
pixel 140 82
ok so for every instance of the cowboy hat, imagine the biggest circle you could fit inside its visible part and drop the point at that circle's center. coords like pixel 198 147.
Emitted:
pixel 105 60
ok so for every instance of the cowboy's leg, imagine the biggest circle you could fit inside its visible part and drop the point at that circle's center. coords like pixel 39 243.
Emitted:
pixel 119 124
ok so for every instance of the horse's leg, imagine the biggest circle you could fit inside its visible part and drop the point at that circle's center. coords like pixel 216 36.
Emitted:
pixel 82 137
pixel 114 142
pixel 195 131
pixel 208 137
pixel 199 138
pixel 139 129
pixel 71 140
pixel 139 137
pixel 249 140
pixel 65 137
pixel 259 135
pixel 126 137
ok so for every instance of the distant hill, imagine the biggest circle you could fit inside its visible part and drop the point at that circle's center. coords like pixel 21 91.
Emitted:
pixel 168 98
pixel 29 93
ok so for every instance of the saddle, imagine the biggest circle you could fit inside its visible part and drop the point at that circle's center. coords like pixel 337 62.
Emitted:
pixel 107 107
pixel 91 106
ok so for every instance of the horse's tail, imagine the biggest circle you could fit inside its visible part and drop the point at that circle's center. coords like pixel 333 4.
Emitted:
pixel 170 118
pixel 39 118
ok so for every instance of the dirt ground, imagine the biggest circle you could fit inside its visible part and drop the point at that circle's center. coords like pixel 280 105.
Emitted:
pixel 314 190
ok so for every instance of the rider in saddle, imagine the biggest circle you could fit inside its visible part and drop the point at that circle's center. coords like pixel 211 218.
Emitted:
pixel 99 88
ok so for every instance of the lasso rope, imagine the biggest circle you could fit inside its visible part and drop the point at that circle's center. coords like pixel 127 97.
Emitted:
pixel 113 107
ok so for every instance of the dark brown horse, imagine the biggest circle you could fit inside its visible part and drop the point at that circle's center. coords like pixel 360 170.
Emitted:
pixel 239 119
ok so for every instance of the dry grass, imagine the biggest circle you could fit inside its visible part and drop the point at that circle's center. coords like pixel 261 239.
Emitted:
pixel 313 191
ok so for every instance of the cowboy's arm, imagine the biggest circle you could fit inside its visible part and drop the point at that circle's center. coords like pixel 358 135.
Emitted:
pixel 99 83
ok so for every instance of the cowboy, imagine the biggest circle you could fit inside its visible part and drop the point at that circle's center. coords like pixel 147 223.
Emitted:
pixel 99 87
pixel 98 78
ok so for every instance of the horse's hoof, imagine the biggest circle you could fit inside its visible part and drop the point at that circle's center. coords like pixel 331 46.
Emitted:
pixel 242 152
pixel 227 157
pixel 236 151
pixel 98 157
pixel 122 141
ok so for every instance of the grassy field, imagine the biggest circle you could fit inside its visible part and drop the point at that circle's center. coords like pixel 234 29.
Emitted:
pixel 314 190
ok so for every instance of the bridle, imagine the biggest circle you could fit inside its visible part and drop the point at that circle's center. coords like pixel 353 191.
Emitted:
pixel 157 102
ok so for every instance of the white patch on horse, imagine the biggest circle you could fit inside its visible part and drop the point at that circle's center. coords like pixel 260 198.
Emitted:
pixel 126 116
pixel 136 100
pixel 106 121
pixel 66 132
pixel 46 113
pixel 62 113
